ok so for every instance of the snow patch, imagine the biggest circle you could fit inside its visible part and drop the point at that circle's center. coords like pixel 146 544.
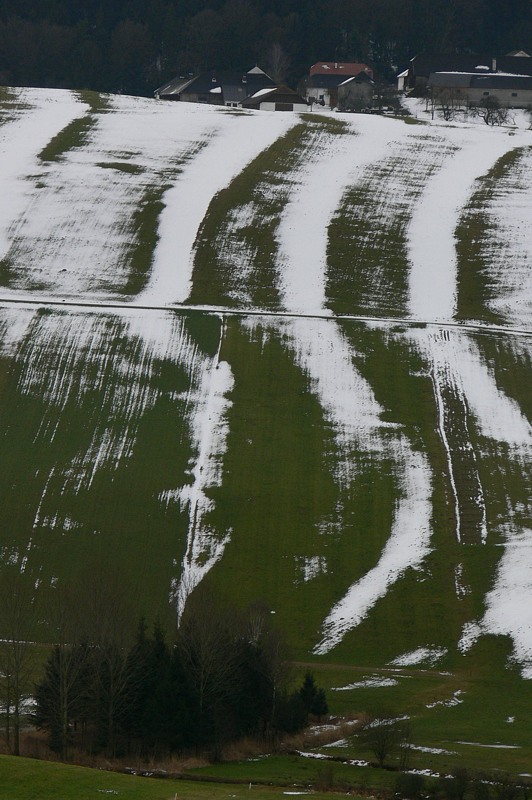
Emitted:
pixel 375 682
pixel 422 655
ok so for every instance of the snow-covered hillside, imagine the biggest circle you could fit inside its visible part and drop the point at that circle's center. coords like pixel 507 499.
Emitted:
pixel 361 216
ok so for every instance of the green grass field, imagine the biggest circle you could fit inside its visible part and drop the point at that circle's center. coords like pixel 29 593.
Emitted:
pixel 273 457
pixel 26 779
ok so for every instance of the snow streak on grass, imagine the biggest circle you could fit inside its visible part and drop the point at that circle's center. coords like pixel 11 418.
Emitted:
pixel 495 246
pixel 421 655
pixel 38 117
pixel 367 250
pixel 301 236
pixel 205 546
pixel 92 227
pixel 406 548
pixel 479 421
pixel 355 419
pixel 235 258
pixel 433 289
pixel 236 139
pixel 508 611
pixel 453 426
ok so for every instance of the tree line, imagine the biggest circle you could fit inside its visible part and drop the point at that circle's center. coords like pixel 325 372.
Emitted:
pixel 133 47
pixel 223 678
pixel 107 689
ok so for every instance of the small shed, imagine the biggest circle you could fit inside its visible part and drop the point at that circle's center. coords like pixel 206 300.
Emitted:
pixel 281 98
pixel 402 81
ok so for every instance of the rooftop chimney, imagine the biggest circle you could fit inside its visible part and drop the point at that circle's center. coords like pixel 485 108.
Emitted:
pixel 494 65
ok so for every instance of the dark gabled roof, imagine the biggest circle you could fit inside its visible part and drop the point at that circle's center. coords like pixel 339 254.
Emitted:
pixel 362 77
pixel 498 81
pixel 345 69
pixel 278 94
pixel 476 80
pixel 230 82
pixel 326 81
pixel 174 87
pixel 425 63
pixel 455 80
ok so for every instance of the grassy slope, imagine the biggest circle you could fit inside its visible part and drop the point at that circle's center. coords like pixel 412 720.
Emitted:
pixel 234 262
pixel 49 453
pixel 279 485
pixel 474 287
pixel 367 243
pixel 142 221
pixel 25 779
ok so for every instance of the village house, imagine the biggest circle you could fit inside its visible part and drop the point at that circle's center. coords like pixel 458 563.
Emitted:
pixel 473 88
pixel 280 98
pixel 326 76
pixel 216 87
pixel 356 94
pixel 424 65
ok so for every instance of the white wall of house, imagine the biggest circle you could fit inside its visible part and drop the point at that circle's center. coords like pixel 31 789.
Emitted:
pixel 319 94
pixel 506 97
pixel 271 107
pixel 402 80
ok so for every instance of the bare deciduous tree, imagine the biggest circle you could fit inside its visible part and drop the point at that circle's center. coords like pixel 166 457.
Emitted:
pixel 383 736
pixel 277 63
pixel 491 111
pixel 204 639
pixel 451 102
pixel 17 618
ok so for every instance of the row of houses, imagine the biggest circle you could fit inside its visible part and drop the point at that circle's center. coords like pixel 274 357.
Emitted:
pixel 471 77
pixel 328 84
pixel 351 86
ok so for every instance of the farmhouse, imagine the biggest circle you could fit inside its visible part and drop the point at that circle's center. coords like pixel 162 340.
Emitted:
pixel 424 65
pixel 216 88
pixel 511 91
pixel 356 93
pixel 280 98
pixel 326 76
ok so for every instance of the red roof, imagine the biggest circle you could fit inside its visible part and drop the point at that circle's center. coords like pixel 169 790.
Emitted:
pixel 349 69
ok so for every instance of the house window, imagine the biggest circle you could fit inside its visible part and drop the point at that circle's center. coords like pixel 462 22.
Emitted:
pixel 486 94
pixel 514 94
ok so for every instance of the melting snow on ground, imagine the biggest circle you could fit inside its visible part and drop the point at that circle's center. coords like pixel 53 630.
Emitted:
pixel 375 682
pixel 455 700
pixel 68 229
pixel 422 655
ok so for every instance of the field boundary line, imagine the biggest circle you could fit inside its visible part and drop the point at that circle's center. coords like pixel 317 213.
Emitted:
pixel 223 311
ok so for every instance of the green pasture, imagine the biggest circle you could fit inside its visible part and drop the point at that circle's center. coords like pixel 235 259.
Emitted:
pixel 77 133
pixel 98 431
pixel 27 779
pixel 66 512
pixel 234 262
pixel 367 237
pixel 475 290
pixel 300 771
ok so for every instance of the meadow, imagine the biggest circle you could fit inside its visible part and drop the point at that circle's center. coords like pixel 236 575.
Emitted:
pixel 284 359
